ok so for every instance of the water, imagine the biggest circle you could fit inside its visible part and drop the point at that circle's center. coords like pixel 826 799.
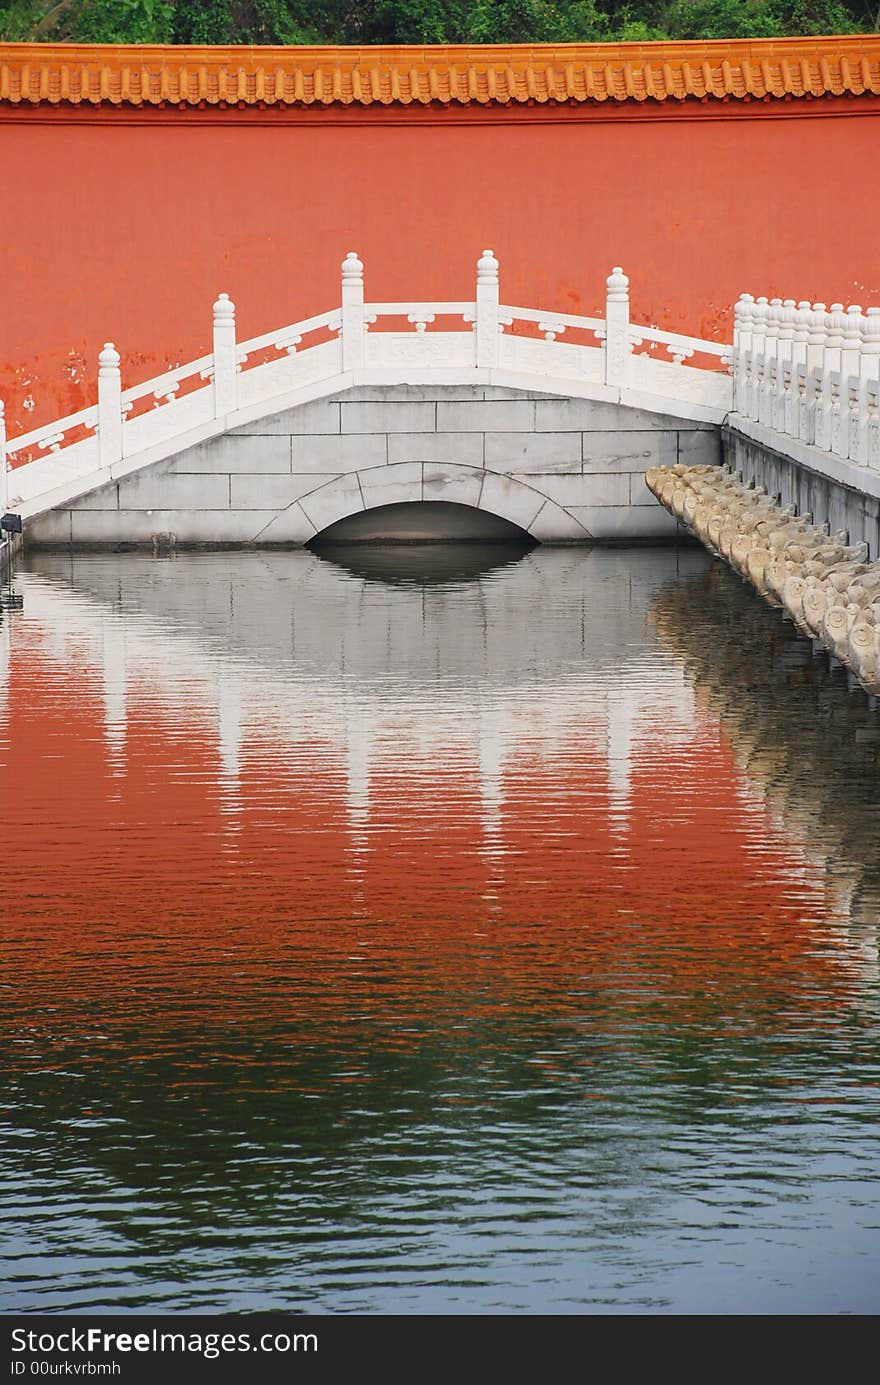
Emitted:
pixel 392 934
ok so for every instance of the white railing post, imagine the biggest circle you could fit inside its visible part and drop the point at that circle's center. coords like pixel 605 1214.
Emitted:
pixel 815 372
pixel 225 357
pixel 742 341
pixel 618 346
pixel 354 326
pixel 783 364
pixel 109 406
pixel 868 373
pixel 852 341
pixel 850 348
pixel 487 323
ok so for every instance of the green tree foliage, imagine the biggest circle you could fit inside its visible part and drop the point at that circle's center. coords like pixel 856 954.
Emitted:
pixel 424 21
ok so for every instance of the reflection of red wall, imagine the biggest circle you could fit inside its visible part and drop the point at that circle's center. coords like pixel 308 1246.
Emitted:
pixel 140 880
pixel 125 224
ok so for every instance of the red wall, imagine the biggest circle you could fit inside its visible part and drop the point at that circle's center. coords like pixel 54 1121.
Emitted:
pixel 124 226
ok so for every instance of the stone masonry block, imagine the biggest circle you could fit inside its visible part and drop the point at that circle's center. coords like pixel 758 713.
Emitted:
pixel 55 527
pixel 552 524
pixel 332 455
pixel 404 394
pixel 388 418
pixel 188 526
pixel 104 498
pixel 147 490
pixel 391 485
pixel 629 451
pixel 333 501
pixel 612 489
pixel 459 485
pixel 534 452
pixel 272 492
pixel 590 416
pixel 233 453
pixel 290 526
pixel 500 416
pixel 317 416
pixel 510 499
pixel 465 449
pixel 700 447
pixel 621 523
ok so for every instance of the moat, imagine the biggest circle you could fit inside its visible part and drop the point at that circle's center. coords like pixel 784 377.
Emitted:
pixel 422 931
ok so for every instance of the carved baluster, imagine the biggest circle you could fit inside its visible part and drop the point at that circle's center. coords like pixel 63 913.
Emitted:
pixel 225 357
pixel 4 471
pixel 109 406
pixel 742 328
pixel 617 343
pixel 850 351
pixel 353 318
pixel 780 406
pixel 742 342
pixel 487 325
pixel 832 436
pixel 828 400
pixel 551 329
pixel 869 375
pixel 817 390
pixel 790 390
pixel 798 359
pixel 771 339
pixel 804 419
pixel 872 425
pixel 756 372
pixel 854 417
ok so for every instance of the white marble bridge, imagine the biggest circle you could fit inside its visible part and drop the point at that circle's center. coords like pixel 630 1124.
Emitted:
pixel 546 420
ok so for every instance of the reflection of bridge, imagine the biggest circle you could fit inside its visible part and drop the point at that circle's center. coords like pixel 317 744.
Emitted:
pixel 316 663
pixel 282 662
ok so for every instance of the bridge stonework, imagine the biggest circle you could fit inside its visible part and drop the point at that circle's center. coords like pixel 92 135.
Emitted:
pixel 566 470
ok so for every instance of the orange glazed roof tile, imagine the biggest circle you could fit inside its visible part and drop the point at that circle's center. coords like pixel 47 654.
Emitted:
pixel 93 74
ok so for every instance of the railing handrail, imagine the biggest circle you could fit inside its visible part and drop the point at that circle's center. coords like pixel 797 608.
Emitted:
pixel 587 324
pixel 708 348
pixel 86 418
pixel 204 365
pixel 439 309
pixel 296 329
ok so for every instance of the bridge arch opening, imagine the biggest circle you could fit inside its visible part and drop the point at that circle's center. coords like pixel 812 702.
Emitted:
pixel 418 522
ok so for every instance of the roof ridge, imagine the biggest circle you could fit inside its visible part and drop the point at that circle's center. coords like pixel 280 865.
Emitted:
pixel 189 75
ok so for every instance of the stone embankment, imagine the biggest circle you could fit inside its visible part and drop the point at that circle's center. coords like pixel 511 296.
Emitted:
pixel 826 585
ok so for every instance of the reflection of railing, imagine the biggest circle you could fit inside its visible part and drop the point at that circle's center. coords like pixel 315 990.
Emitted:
pixel 811 374
pixel 194 401
pixel 805 739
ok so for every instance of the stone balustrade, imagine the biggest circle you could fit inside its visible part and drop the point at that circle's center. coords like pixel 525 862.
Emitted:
pixel 811 373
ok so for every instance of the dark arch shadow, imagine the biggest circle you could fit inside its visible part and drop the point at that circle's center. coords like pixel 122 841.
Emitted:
pixel 422 541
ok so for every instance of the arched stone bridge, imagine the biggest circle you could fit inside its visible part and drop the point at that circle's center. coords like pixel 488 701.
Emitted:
pixel 275 439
